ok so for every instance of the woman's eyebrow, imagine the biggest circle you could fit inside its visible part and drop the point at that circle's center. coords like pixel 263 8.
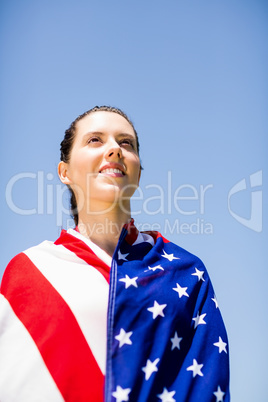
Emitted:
pixel 126 135
pixel 119 135
pixel 93 133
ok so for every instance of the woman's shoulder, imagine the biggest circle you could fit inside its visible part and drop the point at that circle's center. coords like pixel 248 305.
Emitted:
pixel 46 246
pixel 176 251
pixel 43 256
pixel 19 264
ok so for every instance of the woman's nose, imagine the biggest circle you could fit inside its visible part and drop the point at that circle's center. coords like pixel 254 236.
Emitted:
pixel 114 151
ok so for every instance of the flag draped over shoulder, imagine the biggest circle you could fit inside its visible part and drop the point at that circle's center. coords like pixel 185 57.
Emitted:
pixel 146 329
pixel 166 337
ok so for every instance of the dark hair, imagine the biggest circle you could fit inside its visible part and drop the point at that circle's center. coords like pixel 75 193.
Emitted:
pixel 67 144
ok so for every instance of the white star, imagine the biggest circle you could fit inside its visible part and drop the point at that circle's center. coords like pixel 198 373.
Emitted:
pixel 196 368
pixel 157 309
pixel 199 319
pixel 123 337
pixel 122 256
pixel 129 281
pixel 215 301
pixel 156 267
pixel 175 341
pixel 181 291
pixel 199 274
pixel 221 345
pixel 167 396
pixel 219 394
pixel 169 257
pixel 121 394
pixel 150 368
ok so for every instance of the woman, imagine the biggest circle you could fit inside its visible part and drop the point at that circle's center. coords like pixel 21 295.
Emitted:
pixel 105 312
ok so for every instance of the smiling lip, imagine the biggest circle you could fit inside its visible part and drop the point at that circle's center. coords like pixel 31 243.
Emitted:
pixel 113 169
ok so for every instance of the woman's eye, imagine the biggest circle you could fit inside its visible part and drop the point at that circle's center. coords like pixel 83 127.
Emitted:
pixel 93 139
pixel 127 142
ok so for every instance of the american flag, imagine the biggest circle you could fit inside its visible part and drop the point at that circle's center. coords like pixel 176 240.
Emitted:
pixel 144 325
pixel 166 337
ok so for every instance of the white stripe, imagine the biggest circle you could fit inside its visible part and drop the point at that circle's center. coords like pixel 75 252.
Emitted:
pixel 143 237
pixel 23 373
pixel 83 288
pixel 96 249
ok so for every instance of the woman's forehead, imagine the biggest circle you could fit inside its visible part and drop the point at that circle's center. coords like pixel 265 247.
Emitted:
pixel 103 121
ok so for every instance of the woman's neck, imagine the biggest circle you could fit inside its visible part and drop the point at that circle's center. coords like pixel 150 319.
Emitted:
pixel 103 229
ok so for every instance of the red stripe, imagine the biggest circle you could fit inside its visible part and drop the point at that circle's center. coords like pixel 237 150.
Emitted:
pixel 164 239
pixel 82 251
pixel 55 331
pixel 132 232
pixel 155 235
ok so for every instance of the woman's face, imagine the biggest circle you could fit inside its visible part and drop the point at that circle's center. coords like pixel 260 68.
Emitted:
pixel 104 165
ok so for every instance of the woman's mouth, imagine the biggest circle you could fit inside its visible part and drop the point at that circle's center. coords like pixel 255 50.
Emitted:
pixel 112 172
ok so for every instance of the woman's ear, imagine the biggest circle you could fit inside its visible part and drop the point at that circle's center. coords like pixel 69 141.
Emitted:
pixel 63 173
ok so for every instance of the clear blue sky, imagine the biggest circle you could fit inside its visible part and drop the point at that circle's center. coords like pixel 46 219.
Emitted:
pixel 192 75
